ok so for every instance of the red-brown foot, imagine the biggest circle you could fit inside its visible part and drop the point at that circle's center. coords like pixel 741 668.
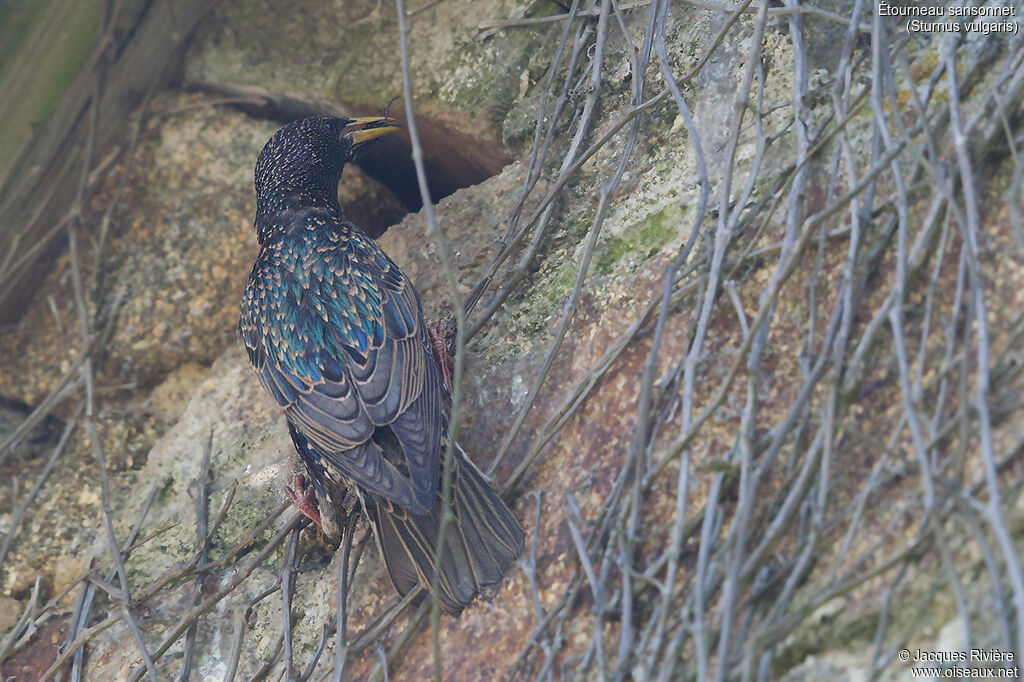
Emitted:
pixel 304 499
pixel 438 332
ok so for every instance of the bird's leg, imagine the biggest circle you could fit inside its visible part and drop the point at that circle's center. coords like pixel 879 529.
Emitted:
pixel 438 332
pixel 304 499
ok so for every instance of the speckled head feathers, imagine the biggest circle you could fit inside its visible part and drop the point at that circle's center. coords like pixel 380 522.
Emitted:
pixel 308 154
pixel 306 157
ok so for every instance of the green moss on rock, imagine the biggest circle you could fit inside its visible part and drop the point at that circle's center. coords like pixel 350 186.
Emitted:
pixel 646 237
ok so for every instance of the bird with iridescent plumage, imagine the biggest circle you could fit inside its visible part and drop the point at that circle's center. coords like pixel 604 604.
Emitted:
pixel 336 334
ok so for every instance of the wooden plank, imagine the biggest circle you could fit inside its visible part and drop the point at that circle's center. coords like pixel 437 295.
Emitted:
pixel 139 52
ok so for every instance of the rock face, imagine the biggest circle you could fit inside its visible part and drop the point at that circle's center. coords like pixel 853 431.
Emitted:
pixel 594 491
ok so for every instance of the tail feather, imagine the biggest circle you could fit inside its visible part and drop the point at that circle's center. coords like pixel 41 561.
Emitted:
pixel 481 542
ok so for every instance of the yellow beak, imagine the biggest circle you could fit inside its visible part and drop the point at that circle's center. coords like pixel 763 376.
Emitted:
pixel 363 129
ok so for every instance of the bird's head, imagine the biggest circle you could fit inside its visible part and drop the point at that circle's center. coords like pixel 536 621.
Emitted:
pixel 306 157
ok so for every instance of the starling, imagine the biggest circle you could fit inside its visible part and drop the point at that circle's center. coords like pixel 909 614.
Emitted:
pixel 336 334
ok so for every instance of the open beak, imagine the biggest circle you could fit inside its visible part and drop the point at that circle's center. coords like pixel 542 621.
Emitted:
pixel 366 128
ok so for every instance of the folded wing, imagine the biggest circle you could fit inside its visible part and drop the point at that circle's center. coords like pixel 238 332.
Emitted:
pixel 337 337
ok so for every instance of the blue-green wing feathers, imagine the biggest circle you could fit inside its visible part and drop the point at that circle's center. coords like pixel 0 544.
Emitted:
pixel 336 333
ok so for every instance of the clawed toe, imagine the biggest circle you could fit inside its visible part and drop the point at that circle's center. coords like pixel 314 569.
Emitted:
pixel 304 499
pixel 438 333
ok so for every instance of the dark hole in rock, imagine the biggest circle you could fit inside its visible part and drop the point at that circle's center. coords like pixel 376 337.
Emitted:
pixel 453 158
